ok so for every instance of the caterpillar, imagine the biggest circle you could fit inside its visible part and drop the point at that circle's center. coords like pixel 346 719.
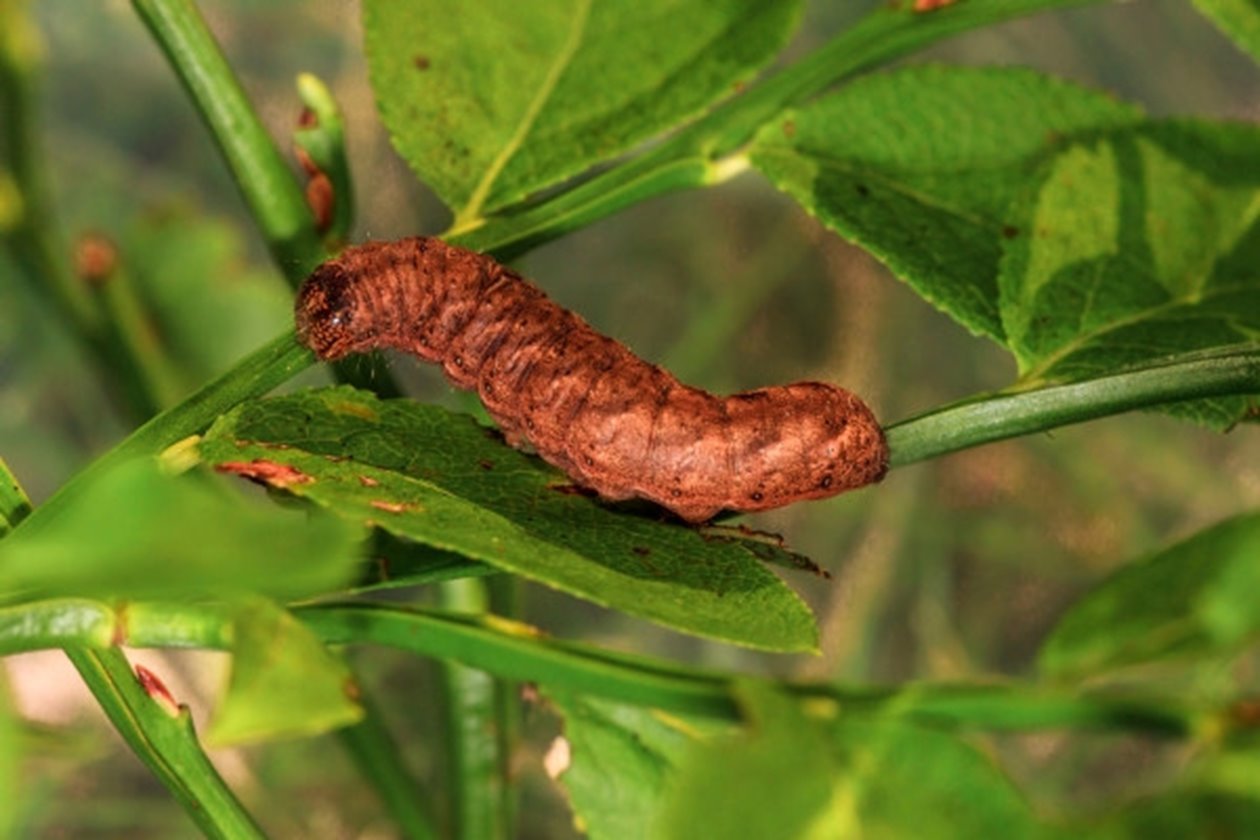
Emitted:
pixel 613 422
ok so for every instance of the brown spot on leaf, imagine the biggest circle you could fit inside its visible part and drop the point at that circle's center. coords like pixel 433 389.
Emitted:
pixel 921 6
pixel 368 481
pixel 421 62
pixel 641 550
pixel 354 409
pixel 393 507
pixel 266 472
pixel 789 129
pixel 486 464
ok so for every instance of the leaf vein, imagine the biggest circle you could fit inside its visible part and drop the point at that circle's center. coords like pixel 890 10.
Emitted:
pixel 472 210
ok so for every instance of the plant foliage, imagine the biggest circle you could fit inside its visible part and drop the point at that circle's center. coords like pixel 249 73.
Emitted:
pixel 1098 246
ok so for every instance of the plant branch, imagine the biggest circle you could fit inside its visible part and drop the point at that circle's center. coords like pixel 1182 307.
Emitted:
pixel 378 758
pixel 514 651
pixel 260 172
pixel 264 369
pixel 163 738
pixel 29 233
pixel 478 770
pixel 29 228
pixel 269 188
pixel 699 153
pixel 1216 373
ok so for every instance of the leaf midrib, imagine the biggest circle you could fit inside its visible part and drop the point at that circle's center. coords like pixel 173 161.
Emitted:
pixel 471 211
pixel 1047 364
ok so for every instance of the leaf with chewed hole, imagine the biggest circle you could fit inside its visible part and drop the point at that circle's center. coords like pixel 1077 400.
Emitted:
pixel 425 474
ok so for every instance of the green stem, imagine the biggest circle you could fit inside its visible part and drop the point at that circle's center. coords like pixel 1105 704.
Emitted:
pixel 505 595
pixel 377 756
pixel 259 170
pixel 695 155
pixel 519 652
pixel 33 239
pixel 134 345
pixel 476 764
pixel 165 742
pixel 32 235
pixel 264 369
pixel 1215 373
pixel 273 196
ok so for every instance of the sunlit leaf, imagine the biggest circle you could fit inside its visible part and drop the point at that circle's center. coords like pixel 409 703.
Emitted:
pixel 284 682
pixel 1141 243
pixel 134 532
pixel 492 100
pixel 919 166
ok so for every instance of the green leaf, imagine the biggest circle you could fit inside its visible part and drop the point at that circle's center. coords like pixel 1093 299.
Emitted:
pixel 621 762
pixel 1239 19
pixel 1196 597
pixel 133 532
pixel 423 473
pixel 808 772
pixel 492 100
pixel 1143 243
pixel 284 682
pixel 919 165
pixel 10 761
pixel 396 563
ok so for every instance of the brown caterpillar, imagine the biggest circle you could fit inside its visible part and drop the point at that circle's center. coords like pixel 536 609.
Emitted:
pixel 613 422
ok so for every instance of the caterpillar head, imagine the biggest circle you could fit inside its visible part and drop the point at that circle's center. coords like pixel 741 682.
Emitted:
pixel 330 313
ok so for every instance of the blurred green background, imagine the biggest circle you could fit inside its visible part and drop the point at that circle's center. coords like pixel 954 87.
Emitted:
pixel 953 569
